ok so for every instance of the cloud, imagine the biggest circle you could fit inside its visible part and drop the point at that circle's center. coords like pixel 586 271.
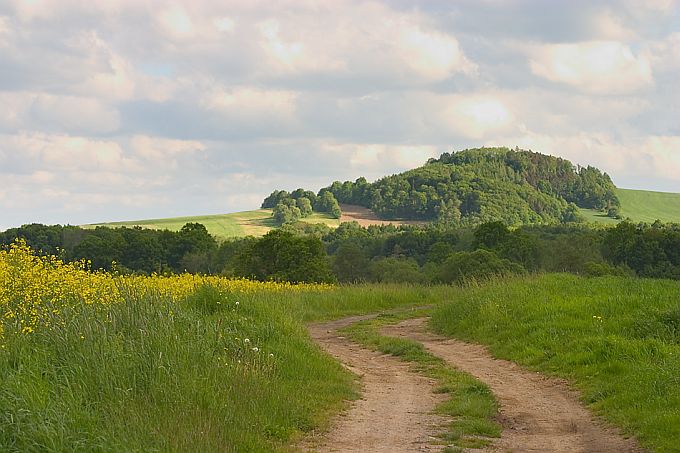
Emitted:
pixel 476 116
pixel 141 108
pixel 598 67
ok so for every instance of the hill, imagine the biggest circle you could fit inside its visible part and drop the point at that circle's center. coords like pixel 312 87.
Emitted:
pixel 474 186
pixel 648 206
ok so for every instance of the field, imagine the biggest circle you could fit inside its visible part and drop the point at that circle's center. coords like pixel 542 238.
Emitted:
pixel 239 224
pixel 100 362
pixel 646 206
pixel 615 339
pixel 641 206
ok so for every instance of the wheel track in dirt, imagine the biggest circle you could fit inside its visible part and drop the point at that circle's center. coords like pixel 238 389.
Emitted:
pixel 537 413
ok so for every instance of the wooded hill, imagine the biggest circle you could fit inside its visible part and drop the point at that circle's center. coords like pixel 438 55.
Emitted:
pixel 471 187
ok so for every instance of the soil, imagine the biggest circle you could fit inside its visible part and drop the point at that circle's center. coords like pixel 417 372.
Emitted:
pixel 365 217
pixel 394 413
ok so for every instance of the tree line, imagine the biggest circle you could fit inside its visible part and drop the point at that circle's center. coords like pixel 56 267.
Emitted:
pixel 301 252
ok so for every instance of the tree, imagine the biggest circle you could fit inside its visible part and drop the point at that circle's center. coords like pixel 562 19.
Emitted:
pixel 350 263
pixel 305 206
pixel 491 235
pixel 281 256
pixel 477 265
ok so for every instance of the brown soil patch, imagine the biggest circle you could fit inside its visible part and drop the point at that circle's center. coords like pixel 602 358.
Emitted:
pixel 395 411
pixel 538 414
pixel 365 217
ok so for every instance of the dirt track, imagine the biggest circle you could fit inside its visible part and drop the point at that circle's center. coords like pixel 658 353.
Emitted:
pixel 538 414
pixel 394 413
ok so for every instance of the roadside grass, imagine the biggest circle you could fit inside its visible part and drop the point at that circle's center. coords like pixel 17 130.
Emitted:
pixel 470 403
pixel 616 339
pixel 155 375
pixel 152 374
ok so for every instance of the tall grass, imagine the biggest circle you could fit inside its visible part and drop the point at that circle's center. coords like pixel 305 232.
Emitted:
pixel 149 374
pixel 616 339
pixel 215 371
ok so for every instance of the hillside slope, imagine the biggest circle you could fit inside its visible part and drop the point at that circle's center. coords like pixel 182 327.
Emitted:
pixel 238 224
pixel 641 206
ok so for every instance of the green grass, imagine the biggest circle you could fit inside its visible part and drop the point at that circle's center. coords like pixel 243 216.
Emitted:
pixel 155 375
pixel 470 404
pixel 239 224
pixel 595 216
pixel 641 206
pixel 646 206
pixel 615 339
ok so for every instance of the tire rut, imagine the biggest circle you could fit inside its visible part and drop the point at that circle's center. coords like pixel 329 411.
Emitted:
pixel 394 413
pixel 538 413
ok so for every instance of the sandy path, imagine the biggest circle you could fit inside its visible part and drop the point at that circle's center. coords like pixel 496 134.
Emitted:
pixel 538 414
pixel 365 217
pixel 394 413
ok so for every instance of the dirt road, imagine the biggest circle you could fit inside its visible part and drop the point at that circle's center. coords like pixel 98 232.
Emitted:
pixel 395 412
pixel 538 414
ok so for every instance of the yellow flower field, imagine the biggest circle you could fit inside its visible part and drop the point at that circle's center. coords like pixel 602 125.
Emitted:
pixel 34 289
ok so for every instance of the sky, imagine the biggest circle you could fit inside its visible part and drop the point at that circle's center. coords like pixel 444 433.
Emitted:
pixel 136 109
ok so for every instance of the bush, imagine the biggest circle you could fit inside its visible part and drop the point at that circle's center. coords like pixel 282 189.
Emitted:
pixel 477 265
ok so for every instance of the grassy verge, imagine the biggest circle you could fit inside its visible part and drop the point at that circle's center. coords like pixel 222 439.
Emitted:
pixel 616 339
pixel 470 403
pixel 151 374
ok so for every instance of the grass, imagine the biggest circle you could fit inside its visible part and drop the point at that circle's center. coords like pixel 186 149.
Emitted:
pixel 470 404
pixel 647 206
pixel 239 224
pixel 150 374
pixel 641 206
pixel 595 216
pixel 154 375
pixel 615 339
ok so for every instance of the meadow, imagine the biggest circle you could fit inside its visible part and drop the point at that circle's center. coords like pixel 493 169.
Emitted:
pixel 222 226
pixel 615 339
pixel 101 362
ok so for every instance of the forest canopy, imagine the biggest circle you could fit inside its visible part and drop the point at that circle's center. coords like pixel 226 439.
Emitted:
pixel 475 186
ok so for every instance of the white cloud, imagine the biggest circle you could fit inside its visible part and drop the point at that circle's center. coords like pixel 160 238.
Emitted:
pixel 159 150
pixel 176 23
pixel 475 116
pixel 433 55
pixel 371 157
pixel 601 67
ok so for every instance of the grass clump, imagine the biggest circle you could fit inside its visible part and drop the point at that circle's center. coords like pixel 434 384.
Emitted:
pixel 614 338
pixel 470 403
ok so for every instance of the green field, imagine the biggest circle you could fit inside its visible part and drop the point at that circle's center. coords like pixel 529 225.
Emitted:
pixel 615 339
pixel 238 224
pixel 641 206
pixel 647 206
